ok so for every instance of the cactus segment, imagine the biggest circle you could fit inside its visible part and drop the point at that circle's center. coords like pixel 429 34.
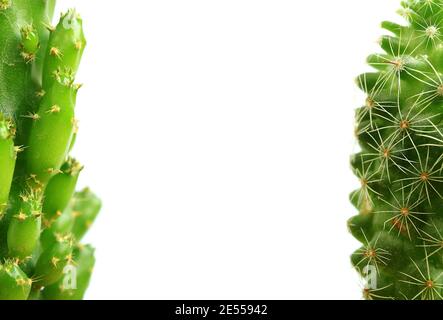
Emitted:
pixel 61 228
pixel 25 226
pixel 55 121
pixel 65 49
pixel 84 262
pixel 14 283
pixel 60 190
pixel 86 207
pixel 19 56
pixel 52 130
pixel 42 13
pixel 7 162
pixel 52 262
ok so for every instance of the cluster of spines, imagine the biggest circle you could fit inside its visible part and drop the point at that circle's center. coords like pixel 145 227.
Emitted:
pixel 55 119
pixel 30 42
pixel 42 219
pixel 400 166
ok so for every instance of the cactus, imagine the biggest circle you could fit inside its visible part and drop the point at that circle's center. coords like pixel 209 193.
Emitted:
pixel 400 163
pixel 42 218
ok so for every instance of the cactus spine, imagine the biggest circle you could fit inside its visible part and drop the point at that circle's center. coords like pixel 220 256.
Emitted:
pixel 42 219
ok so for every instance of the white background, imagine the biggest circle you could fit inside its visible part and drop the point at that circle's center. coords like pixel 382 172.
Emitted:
pixel 218 135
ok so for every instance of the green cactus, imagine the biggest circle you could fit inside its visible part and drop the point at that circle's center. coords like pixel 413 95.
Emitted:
pixel 400 164
pixel 42 219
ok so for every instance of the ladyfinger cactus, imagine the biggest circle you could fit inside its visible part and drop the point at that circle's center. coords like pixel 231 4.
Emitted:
pixel 400 165
pixel 42 219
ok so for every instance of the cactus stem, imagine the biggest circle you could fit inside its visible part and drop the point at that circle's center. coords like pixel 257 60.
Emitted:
pixel 39 228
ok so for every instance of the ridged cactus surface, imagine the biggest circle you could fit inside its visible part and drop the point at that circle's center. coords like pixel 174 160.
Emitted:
pixel 42 218
pixel 400 166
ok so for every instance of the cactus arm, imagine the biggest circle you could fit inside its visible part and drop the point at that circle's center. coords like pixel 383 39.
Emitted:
pixel 7 162
pixel 76 219
pixel 42 12
pixel 55 121
pixel 51 132
pixel 85 208
pixel 65 48
pixel 14 72
pixel 61 228
pixel 50 266
pixel 17 88
pixel 84 262
pixel 25 226
pixel 60 190
pixel 14 283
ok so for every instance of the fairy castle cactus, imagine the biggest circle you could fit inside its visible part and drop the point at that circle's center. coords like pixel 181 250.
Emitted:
pixel 42 218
